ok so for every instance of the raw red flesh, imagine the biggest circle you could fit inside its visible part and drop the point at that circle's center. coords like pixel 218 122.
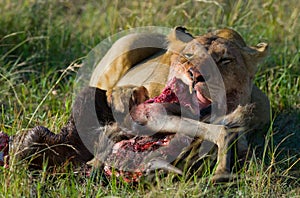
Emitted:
pixel 127 158
pixel 128 155
pixel 167 96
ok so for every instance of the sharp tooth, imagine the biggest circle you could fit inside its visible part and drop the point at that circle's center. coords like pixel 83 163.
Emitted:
pixel 191 89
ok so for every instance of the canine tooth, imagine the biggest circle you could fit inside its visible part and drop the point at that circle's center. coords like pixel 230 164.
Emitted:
pixel 191 89
pixel 188 56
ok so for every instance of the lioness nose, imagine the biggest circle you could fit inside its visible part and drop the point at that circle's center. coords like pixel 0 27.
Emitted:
pixel 195 75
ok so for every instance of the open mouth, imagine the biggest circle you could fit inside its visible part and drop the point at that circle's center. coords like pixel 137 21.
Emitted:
pixel 187 96
pixel 193 97
pixel 128 157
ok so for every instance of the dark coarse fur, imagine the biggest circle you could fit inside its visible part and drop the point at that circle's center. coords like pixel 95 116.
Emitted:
pixel 66 146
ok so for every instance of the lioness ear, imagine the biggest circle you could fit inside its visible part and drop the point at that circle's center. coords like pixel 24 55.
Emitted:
pixel 178 38
pixel 181 33
pixel 262 49
pixel 254 55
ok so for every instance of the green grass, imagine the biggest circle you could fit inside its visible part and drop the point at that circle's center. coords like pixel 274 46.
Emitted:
pixel 39 40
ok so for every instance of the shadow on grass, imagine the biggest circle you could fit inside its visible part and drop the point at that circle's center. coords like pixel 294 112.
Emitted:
pixel 286 139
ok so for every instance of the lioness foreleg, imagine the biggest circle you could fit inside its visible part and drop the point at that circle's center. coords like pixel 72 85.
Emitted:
pixel 154 118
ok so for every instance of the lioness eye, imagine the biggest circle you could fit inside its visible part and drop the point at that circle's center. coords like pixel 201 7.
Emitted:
pixel 188 56
pixel 182 59
pixel 225 60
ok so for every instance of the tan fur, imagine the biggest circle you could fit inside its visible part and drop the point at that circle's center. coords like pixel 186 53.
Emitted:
pixel 123 55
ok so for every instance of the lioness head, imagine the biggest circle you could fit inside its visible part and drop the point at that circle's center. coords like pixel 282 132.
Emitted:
pixel 236 62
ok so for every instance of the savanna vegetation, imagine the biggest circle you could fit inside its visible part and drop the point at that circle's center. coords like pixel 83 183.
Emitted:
pixel 42 44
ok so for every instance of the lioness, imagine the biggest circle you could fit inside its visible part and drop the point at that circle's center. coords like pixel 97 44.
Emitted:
pixel 123 111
